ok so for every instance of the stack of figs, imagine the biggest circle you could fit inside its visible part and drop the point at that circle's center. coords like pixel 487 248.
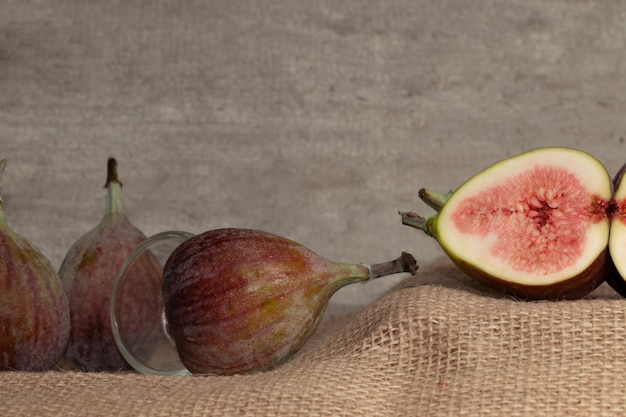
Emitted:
pixel 544 224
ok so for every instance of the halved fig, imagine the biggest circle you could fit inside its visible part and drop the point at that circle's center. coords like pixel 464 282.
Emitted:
pixel 535 225
pixel 617 238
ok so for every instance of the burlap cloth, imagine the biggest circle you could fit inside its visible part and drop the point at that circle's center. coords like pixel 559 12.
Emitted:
pixel 438 344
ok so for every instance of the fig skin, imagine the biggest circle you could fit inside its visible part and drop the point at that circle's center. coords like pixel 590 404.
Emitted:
pixel 34 318
pixel 570 289
pixel 88 272
pixel 598 266
pixel 614 278
pixel 242 300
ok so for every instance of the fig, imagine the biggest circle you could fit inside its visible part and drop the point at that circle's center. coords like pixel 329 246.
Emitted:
pixel 535 225
pixel 617 237
pixel 88 273
pixel 244 300
pixel 34 313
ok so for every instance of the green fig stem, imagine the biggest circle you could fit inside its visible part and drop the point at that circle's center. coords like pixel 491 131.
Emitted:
pixel 433 199
pixel 114 189
pixel 425 224
pixel 405 263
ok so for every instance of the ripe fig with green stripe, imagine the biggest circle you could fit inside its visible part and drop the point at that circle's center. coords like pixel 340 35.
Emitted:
pixel 535 225
pixel 243 300
pixel 88 272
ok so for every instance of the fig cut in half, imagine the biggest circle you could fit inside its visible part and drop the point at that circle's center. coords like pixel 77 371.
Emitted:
pixel 535 225
pixel 617 238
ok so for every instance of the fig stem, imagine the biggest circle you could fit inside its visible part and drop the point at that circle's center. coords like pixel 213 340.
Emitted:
pixel 425 224
pixel 434 200
pixel 405 263
pixel 617 179
pixel 111 172
pixel 114 189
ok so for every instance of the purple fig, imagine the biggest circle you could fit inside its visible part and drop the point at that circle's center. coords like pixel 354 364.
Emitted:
pixel 240 300
pixel 88 273
pixel 535 225
pixel 34 314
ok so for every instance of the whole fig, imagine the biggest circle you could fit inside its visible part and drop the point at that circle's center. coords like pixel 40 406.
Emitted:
pixel 241 300
pixel 88 273
pixel 34 314
pixel 535 225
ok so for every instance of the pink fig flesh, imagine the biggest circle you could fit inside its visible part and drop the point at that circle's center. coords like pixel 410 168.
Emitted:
pixel 240 300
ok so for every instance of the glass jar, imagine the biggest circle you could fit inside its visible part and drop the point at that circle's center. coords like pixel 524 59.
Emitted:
pixel 155 352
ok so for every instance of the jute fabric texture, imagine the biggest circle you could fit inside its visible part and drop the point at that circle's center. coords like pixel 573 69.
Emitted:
pixel 437 345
